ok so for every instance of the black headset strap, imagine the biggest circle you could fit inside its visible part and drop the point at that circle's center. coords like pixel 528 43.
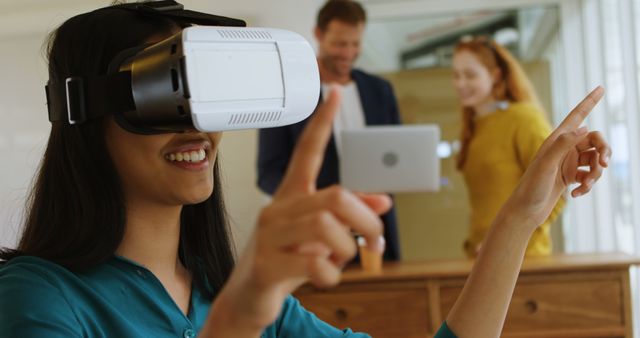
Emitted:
pixel 108 94
pixel 174 10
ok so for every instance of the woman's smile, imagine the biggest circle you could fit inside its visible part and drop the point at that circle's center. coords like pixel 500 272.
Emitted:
pixel 191 155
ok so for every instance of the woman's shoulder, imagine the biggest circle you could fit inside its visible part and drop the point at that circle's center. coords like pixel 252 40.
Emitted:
pixel 525 109
pixel 27 277
pixel 29 267
pixel 32 298
pixel 527 113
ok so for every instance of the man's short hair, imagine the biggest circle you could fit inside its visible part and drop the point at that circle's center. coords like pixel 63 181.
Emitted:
pixel 347 11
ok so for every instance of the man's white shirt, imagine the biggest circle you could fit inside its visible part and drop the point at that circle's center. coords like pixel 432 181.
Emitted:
pixel 350 116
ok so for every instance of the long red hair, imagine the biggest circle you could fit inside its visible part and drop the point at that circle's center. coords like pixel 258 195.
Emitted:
pixel 513 85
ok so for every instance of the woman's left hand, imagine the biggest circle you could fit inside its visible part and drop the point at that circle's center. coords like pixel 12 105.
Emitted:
pixel 560 162
pixel 481 308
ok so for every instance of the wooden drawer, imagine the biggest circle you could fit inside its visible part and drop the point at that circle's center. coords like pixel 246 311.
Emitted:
pixel 398 311
pixel 557 306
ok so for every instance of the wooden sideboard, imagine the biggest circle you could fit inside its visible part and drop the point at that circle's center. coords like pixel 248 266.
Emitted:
pixel 562 296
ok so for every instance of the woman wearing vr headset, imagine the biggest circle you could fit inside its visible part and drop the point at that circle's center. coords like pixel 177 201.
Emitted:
pixel 126 234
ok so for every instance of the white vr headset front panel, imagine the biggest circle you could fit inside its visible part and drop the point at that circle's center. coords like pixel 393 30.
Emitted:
pixel 243 78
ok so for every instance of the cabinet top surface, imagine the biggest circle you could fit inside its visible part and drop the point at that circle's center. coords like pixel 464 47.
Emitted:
pixel 462 267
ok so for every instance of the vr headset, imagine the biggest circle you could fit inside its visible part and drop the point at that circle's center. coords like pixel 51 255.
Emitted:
pixel 215 76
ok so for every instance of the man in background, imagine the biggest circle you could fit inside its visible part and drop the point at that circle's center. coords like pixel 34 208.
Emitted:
pixel 366 100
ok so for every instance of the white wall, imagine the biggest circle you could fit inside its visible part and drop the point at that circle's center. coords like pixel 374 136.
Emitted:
pixel 24 127
pixel 22 132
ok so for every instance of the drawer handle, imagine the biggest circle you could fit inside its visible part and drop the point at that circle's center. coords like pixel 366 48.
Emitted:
pixel 341 314
pixel 531 306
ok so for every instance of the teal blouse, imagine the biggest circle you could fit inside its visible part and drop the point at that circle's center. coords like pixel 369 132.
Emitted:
pixel 120 298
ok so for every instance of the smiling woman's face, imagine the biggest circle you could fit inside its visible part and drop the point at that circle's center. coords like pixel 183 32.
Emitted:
pixel 168 169
pixel 471 79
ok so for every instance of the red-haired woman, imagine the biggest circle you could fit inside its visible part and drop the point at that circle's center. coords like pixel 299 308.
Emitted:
pixel 503 127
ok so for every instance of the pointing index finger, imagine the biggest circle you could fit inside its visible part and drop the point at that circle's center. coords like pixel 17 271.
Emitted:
pixel 308 154
pixel 581 111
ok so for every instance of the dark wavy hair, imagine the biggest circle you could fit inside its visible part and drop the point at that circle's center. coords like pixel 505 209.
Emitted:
pixel 75 213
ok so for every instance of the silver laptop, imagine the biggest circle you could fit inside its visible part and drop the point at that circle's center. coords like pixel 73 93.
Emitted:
pixel 391 159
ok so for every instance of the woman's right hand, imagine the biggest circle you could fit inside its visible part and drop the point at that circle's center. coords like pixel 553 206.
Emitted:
pixel 302 235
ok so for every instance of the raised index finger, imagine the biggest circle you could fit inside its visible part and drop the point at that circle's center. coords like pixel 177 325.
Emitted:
pixel 308 155
pixel 580 112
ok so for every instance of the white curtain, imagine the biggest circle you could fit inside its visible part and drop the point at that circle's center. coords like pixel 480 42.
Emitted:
pixel 601 45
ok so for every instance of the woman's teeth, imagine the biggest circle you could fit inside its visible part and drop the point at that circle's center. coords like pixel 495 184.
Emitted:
pixel 188 156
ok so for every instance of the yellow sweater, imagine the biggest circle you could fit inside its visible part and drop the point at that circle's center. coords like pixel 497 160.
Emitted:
pixel 503 145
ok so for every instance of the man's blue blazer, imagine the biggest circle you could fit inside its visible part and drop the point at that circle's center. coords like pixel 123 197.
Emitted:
pixel 276 147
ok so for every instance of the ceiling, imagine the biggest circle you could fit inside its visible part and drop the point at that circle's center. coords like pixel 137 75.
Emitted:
pixel 390 43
